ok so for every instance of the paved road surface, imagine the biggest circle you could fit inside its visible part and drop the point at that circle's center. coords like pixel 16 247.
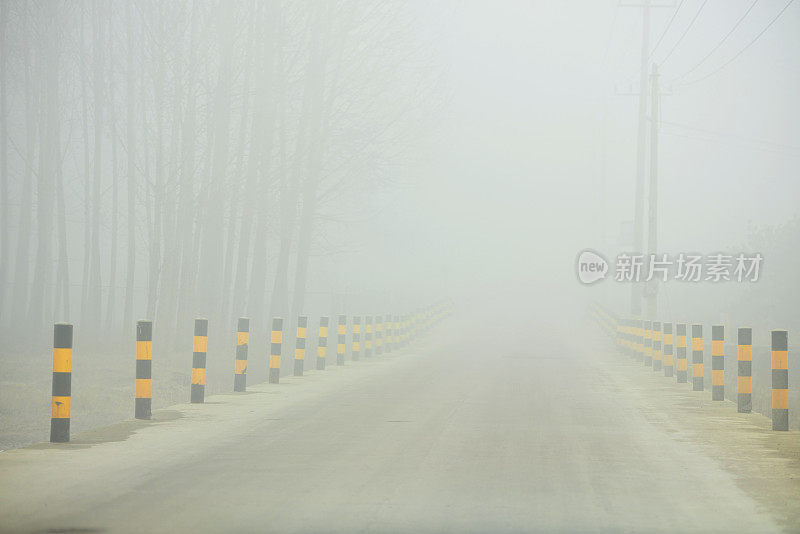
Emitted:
pixel 491 435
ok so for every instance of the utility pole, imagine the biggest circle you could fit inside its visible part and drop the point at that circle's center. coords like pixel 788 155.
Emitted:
pixel 651 291
pixel 636 287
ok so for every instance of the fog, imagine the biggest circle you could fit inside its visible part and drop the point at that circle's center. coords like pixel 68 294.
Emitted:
pixel 224 159
pixel 456 148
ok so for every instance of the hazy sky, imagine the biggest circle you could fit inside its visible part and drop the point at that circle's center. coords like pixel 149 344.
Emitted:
pixel 510 186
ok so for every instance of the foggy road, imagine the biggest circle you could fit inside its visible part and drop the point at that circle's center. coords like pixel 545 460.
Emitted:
pixel 469 431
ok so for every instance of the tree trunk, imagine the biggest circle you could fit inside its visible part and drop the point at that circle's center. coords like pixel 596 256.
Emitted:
pixel 4 234
pixel 95 288
pixel 313 111
pixel 210 266
pixel 113 252
pixel 22 256
pixel 130 270
pixel 48 159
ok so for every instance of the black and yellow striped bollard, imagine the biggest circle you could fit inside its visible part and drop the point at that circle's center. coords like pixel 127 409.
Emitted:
pixel 341 339
pixel 697 358
pixel 780 380
pixel 144 370
pixel 240 364
pixel 648 343
pixel 356 338
pixel 60 403
pixel 668 356
pixel 717 362
pixel 396 332
pixel 623 336
pixel 276 342
pixel 300 345
pixel 322 343
pixel 681 367
pixel 199 360
pixel 378 335
pixel 744 382
pixel 387 343
pixel 368 337
pixel 656 346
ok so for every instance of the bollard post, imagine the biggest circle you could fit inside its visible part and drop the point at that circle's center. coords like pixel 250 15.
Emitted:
pixel 387 343
pixel 780 380
pixel 717 362
pixel 240 365
pixel 623 336
pixel 669 362
pixel 276 342
pixel 744 382
pixel 378 335
pixel 300 345
pixel 199 360
pixel 144 370
pixel 356 338
pixel 639 332
pixel 681 367
pixel 648 344
pixel 657 346
pixel 368 337
pixel 697 358
pixel 341 339
pixel 60 403
pixel 322 343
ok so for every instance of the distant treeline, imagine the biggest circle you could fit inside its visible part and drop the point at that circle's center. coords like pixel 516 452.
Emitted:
pixel 169 159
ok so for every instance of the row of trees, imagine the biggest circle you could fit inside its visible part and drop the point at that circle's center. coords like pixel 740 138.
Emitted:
pixel 168 159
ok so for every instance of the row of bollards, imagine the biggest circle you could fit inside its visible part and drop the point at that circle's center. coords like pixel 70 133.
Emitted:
pixel 642 341
pixel 390 332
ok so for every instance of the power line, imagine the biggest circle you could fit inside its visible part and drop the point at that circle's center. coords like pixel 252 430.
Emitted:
pixel 731 60
pixel 689 27
pixel 738 22
pixel 610 37
pixel 666 29
pixel 795 150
